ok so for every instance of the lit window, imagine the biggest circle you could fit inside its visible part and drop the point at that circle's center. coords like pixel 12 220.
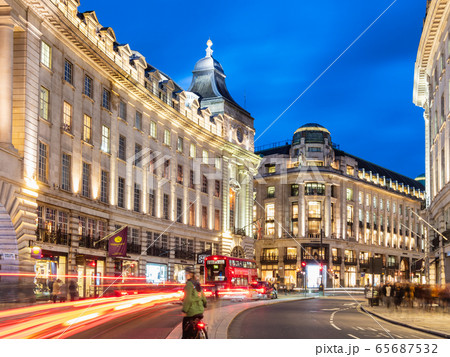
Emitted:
pixel 349 194
pixel 67 117
pixel 180 144
pixel 270 219
pixel 105 139
pixel 167 137
pixel 205 157
pixel 153 129
pixel 87 129
pixel 192 150
pixel 121 192
pixel 137 155
pixel 271 192
pixel 46 54
pixel 43 105
pixel 43 162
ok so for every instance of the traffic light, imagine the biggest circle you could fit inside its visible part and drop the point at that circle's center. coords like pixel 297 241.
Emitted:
pixel 321 267
pixel 303 266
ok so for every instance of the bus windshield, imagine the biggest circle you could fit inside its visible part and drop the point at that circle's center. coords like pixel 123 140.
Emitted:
pixel 215 270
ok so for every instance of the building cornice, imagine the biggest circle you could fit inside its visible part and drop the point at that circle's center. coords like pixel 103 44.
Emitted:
pixel 54 17
pixel 429 42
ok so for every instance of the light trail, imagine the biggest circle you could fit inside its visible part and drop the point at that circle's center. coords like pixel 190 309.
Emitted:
pixel 49 320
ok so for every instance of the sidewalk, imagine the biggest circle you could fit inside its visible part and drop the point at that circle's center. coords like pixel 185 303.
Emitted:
pixel 433 322
pixel 219 319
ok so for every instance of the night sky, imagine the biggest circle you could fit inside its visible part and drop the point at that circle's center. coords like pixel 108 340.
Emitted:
pixel 271 51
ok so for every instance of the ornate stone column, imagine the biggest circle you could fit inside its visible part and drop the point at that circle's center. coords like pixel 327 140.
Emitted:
pixel 6 76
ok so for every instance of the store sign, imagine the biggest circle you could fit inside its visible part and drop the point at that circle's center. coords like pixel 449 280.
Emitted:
pixel 36 252
pixel 201 256
pixel 118 244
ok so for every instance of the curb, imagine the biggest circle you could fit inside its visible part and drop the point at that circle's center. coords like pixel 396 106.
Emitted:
pixel 421 329
pixel 273 303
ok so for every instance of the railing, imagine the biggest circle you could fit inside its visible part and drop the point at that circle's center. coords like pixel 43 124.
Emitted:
pixel 183 254
pixel 134 248
pixel 158 252
pixel 43 235
pixel 314 235
pixel 391 265
pixel 273 145
pixel 269 259
pixel 90 242
pixel 290 258
pixel 336 260
pixel 364 263
pixel 350 261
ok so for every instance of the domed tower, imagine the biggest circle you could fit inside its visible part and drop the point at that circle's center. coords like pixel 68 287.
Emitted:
pixel 311 146
pixel 208 82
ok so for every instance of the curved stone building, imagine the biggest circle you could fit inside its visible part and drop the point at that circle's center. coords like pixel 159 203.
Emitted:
pixel 432 93
pixel 323 214
pixel 93 138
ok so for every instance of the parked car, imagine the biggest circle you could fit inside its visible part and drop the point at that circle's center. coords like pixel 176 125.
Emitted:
pixel 263 290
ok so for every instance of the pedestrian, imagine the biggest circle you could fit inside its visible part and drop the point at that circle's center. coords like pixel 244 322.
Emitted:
pixel 63 292
pixel 56 290
pixel 388 295
pixel 73 290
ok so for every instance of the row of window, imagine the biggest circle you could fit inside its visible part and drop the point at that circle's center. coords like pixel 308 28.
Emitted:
pixel 318 189
pixel 66 168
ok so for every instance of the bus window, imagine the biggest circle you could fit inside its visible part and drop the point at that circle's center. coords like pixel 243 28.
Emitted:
pixel 216 272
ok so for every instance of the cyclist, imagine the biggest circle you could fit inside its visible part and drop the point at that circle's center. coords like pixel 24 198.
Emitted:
pixel 194 303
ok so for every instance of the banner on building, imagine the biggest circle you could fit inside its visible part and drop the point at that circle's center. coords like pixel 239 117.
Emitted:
pixel 201 256
pixel 117 245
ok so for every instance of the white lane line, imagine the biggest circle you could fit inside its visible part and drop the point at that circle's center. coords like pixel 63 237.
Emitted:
pixel 398 336
pixel 336 308
pixel 383 334
pixel 353 336
pixel 352 303
pixel 360 328
pixel 371 329
pixel 332 324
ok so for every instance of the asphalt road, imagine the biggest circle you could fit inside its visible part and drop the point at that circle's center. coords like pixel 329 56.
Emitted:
pixel 333 317
pixel 154 323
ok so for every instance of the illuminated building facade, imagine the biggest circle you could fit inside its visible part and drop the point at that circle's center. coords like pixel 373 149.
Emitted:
pixel 94 138
pixel 323 214
pixel 432 93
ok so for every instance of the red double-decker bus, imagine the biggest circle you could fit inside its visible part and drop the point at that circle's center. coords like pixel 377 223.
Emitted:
pixel 229 272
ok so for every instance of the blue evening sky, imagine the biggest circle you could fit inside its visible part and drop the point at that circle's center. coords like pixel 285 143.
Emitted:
pixel 271 51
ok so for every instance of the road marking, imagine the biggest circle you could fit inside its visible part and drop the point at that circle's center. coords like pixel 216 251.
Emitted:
pixel 332 324
pixel 398 336
pixel 336 308
pixel 353 336
pixel 352 303
pixel 371 329
pixel 360 328
pixel 382 334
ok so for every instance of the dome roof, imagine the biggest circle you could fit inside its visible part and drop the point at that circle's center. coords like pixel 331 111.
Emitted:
pixel 312 126
pixel 207 64
pixel 208 80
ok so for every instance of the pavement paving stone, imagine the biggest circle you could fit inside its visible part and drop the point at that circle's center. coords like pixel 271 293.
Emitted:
pixel 435 321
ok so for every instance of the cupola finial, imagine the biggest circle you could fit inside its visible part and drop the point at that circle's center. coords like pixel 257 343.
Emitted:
pixel 209 51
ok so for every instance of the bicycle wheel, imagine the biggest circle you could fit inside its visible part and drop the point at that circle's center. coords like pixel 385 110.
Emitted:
pixel 201 334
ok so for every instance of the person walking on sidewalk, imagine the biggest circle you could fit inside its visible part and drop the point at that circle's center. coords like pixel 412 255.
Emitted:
pixel 194 303
pixel 388 295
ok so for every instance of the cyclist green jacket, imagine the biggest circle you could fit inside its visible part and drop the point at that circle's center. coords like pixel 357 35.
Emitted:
pixel 194 302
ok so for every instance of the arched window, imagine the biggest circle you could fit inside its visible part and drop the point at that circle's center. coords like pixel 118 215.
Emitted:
pixel 238 252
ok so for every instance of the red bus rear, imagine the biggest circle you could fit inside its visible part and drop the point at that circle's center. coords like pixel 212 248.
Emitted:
pixel 229 272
